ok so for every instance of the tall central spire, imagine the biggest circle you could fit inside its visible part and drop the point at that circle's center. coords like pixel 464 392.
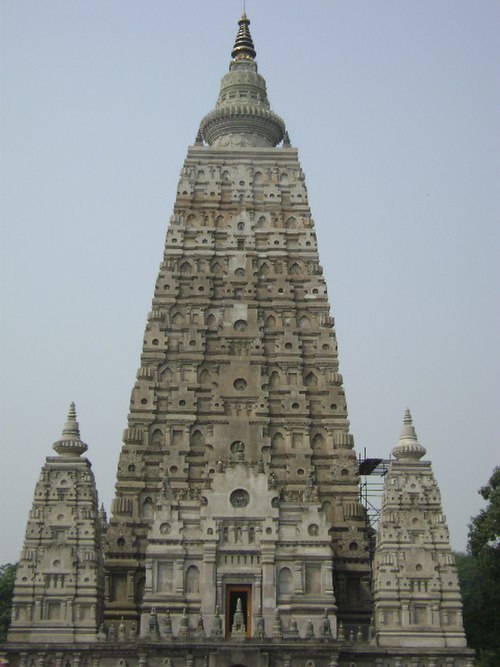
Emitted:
pixel 238 465
pixel 243 46
pixel 242 115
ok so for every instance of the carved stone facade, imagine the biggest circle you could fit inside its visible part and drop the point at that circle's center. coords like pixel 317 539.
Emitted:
pixel 59 583
pixel 416 590
pixel 236 536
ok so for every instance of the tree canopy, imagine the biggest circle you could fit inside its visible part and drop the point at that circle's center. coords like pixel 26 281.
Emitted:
pixel 484 533
pixel 479 574
pixel 7 578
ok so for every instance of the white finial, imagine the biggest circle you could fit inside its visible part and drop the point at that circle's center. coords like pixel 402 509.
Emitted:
pixel 408 447
pixel 70 443
pixel 71 427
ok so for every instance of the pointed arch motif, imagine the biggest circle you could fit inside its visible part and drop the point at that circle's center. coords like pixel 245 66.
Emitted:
pixel 285 582
pixel 318 441
pixel 156 437
pixel 271 322
pixel 274 379
pixel 204 376
pixel 147 508
pixel 217 268
pixel 197 439
pixel 278 441
pixel 192 582
pixel 311 379
pixel 166 374
pixel 186 268
pixel 264 270
pixel 177 318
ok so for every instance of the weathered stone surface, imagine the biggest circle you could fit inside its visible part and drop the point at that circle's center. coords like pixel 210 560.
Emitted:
pixel 58 593
pixel 237 538
pixel 239 391
pixel 416 590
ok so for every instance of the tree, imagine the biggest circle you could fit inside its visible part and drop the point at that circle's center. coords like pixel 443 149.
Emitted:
pixel 473 600
pixel 7 578
pixel 481 577
pixel 484 531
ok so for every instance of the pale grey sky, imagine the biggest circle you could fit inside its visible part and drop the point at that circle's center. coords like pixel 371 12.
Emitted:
pixel 394 107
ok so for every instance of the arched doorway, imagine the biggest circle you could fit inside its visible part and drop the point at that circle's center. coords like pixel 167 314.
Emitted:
pixel 242 592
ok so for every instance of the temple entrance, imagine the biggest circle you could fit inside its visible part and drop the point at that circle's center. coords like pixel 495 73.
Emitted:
pixel 235 592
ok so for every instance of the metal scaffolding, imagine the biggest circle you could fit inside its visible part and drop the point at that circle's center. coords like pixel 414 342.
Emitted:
pixel 371 485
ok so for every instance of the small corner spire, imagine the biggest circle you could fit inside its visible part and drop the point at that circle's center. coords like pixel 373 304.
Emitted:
pixel 199 139
pixel 408 446
pixel 103 517
pixel 70 443
pixel 243 46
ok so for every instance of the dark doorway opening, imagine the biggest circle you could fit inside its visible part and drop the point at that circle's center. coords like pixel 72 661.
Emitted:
pixel 244 593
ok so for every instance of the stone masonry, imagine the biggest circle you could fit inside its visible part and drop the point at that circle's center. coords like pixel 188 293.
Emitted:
pixel 236 536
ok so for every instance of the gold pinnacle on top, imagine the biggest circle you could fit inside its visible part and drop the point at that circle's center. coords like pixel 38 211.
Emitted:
pixel 243 46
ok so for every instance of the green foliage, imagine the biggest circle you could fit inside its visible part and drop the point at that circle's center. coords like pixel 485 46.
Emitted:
pixel 484 533
pixel 471 588
pixel 7 578
pixel 479 575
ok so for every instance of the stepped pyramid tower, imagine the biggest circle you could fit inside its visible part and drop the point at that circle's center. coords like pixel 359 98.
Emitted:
pixel 416 590
pixel 238 468
pixel 236 536
pixel 59 582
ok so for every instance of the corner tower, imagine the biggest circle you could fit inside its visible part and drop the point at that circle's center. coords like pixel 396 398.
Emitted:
pixel 237 479
pixel 58 594
pixel 416 590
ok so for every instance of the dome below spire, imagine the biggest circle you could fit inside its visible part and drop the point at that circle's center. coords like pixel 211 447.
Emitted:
pixel 242 114
pixel 408 447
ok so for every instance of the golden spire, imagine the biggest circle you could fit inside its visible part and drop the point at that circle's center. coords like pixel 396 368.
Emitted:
pixel 243 46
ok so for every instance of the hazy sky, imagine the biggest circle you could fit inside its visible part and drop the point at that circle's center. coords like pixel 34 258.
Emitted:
pixel 394 107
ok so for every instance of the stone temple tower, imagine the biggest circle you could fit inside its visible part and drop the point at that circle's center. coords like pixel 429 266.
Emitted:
pixel 416 591
pixel 59 588
pixel 238 477
pixel 236 536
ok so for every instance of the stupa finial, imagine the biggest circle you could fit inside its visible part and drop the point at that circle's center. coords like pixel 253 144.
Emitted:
pixel 70 443
pixel 242 114
pixel 408 446
pixel 243 46
pixel 71 426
